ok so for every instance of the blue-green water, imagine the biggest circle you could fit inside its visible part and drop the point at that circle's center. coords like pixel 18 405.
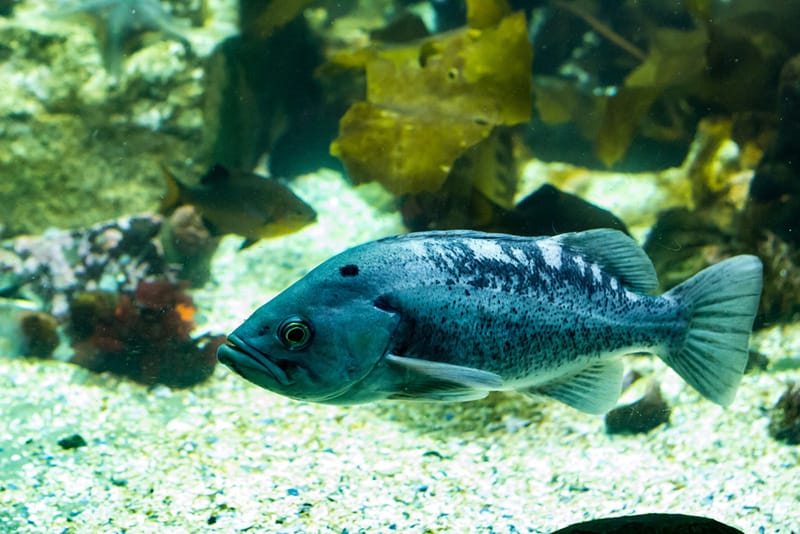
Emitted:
pixel 673 122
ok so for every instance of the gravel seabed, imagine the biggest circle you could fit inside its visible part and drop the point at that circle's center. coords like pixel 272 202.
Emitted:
pixel 226 456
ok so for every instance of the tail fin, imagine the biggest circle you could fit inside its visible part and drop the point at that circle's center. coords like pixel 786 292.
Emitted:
pixel 724 300
pixel 173 194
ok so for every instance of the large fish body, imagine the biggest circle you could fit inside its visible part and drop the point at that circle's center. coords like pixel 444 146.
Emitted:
pixel 453 315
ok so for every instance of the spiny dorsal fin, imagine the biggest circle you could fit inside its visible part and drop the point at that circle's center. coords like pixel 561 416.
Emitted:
pixel 216 174
pixel 615 252
pixel 618 254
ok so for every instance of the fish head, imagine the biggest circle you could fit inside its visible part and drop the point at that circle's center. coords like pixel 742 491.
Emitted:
pixel 314 342
pixel 288 216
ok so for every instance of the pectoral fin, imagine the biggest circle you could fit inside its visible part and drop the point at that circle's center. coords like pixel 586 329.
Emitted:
pixel 594 389
pixel 427 380
pixel 438 392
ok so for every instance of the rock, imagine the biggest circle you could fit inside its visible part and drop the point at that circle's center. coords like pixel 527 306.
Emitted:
pixel 641 416
pixel 774 202
pixel 784 424
pixel 72 442
pixel 39 333
pixel 652 524
pixel 548 210
pixel 78 145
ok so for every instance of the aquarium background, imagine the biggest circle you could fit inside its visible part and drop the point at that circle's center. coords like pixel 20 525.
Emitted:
pixel 168 167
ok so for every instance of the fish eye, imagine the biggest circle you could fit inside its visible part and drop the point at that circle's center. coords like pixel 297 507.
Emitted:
pixel 295 333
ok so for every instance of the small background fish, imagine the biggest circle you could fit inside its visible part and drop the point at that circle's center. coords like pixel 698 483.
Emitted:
pixel 241 203
pixel 450 316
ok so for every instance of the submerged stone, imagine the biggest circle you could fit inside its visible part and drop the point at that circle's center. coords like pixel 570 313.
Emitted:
pixel 784 422
pixel 652 524
pixel 641 416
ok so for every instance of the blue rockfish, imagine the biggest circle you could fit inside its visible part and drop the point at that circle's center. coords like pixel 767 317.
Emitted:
pixel 451 316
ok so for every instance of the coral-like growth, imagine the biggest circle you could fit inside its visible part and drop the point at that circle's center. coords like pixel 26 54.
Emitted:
pixel 114 256
pixel 144 335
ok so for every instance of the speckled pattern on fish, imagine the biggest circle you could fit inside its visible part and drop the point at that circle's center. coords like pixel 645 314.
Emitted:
pixel 453 315
pixel 522 296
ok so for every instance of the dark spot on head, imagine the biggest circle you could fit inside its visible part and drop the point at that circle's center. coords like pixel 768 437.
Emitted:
pixel 466 293
pixel 349 270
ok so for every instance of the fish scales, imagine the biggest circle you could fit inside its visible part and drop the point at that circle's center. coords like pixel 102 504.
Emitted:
pixel 523 306
pixel 451 316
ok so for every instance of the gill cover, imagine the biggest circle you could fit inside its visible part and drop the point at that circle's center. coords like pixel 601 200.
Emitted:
pixel 318 351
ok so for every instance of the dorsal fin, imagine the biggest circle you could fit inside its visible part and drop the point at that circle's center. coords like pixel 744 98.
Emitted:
pixel 618 254
pixel 216 174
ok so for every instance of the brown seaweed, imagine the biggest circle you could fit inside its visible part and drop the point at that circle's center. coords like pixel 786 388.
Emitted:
pixel 658 75
pixel 428 103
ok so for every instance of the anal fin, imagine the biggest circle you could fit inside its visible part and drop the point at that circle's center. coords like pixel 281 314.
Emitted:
pixel 594 389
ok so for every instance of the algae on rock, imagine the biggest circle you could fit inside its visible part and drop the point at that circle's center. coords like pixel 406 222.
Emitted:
pixel 76 145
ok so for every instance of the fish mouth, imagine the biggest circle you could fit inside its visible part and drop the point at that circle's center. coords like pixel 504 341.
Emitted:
pixel 241 357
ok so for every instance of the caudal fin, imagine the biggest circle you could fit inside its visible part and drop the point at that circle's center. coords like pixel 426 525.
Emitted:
pixel 724 301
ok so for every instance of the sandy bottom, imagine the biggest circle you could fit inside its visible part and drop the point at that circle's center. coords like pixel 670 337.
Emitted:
pixel 226 456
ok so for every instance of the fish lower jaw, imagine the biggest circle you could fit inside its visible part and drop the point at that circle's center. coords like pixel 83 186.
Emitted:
pixel 240 360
